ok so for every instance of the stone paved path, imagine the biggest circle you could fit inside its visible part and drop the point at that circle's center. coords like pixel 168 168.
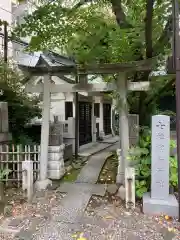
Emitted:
pixel 88 151
pixel 74 204
pixel 90 172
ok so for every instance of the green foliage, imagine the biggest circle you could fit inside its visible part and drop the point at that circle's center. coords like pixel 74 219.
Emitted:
pixel 4 173
pixel 173 172
pixel 21 107
pixel 91 33
pixel 24 139
pixel 145 138
pixel 141 188
pixel 140 158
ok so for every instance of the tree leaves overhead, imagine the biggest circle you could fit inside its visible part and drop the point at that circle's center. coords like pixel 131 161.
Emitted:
pixel 91 32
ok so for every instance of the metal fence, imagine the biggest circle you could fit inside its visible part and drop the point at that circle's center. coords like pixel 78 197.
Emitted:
pixel 12 156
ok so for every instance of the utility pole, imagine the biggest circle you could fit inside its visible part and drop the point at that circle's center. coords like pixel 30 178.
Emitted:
pixel 5 42
pixel 176 57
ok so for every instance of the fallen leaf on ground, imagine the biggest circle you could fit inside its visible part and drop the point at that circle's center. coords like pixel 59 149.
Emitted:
pixel 109 217
pixel 167 217
pixel 74 236
pixel 128 213
pixel 170 229
pixel 81 237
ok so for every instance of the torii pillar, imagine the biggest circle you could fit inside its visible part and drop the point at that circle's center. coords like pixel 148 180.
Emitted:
pixel 122 86
pixel 43 180
pixel 123 126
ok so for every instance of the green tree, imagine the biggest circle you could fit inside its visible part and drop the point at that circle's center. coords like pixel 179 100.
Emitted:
pixel 106 31
pixel 21 107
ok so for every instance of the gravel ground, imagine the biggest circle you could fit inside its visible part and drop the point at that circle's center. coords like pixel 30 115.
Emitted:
pixel 18 210
pixel 130 225
pixel 42 202
pixel 105 218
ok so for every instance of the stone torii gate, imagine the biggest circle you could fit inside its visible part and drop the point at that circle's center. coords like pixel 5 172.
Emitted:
pixel 121 85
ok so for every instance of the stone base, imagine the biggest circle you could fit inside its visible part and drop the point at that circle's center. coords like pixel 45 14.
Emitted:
pixel 122 193
pixel 101 134
pixel 120 178
pixel 56 162
pixel 160 207
pixel 56 174
pixel 42 184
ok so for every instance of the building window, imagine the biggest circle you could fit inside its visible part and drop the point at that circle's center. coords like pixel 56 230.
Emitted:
pixel 68 110
pixel 96 109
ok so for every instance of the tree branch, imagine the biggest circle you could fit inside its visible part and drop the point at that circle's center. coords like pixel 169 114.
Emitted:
pixel 164 38
pixel 119 13
pixel 148 28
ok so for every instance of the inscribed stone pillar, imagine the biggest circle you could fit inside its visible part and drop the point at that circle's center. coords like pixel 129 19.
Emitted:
pixel 160 157
pixel 159 201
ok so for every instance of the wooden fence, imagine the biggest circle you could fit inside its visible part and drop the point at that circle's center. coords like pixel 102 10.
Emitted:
pixel 11 157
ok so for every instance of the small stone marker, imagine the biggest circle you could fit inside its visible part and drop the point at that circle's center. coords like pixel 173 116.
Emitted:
pixel 27 178
pixel 120 172
pixel 130 187
pixel 160 201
